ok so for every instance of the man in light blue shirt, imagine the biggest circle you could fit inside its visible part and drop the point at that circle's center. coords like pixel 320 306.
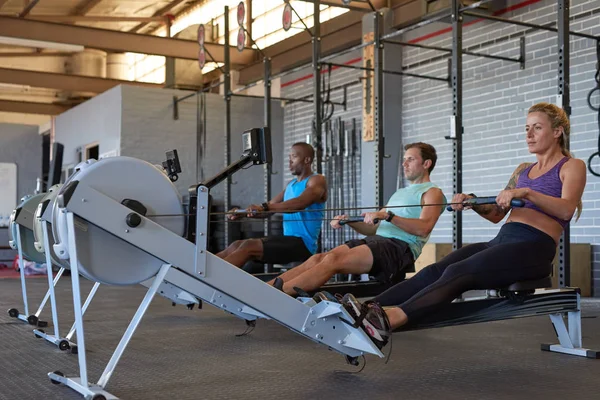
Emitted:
pixel 392 244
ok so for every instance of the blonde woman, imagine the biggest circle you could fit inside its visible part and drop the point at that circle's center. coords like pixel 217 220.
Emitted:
pixel 523 249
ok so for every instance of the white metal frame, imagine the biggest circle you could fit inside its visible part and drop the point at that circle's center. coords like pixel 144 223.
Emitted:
pixel 191 268
pixel 61 343
pixel 22 317
pixel 569 334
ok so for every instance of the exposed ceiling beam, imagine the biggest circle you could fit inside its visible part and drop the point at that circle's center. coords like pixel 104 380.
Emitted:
pixel 25 107
pixel 158 13
pixel 97 18
pixel 353 5
pixel 28 8
pixel 336 34
pixel 39 44
pixel 76 83
pixel 86 6
pixel 111 40
pixel 339 32
pixel 34 54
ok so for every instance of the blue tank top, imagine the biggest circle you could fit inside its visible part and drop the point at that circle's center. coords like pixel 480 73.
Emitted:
pixel 305 225
pixel 407 196
pixel 548 184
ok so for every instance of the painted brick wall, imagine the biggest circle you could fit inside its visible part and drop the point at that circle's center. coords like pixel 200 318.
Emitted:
pixel 497 95
pixel 149 129
pixel 96 120
pixel 298 125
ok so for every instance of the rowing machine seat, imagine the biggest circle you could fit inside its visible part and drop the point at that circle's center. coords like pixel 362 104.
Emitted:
pixel 530 285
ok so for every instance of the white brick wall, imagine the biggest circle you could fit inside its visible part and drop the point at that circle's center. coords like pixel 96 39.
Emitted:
pixel 298 124
pixel 496 97
pixel 148 130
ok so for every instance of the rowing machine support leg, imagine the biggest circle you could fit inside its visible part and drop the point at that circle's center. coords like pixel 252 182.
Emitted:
pixel 569 335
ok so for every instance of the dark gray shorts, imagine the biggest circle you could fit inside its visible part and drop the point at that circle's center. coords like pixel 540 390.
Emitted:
pixel 392 258
pixel 284 249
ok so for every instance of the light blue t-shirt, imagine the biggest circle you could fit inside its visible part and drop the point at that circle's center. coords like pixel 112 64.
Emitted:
pixel 305 225
pixel 407 196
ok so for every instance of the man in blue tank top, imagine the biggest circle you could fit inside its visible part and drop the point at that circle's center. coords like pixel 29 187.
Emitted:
pixel 392 244
pixel 308 192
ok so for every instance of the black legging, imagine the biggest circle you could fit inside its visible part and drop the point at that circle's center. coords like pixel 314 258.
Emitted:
pixel 519 252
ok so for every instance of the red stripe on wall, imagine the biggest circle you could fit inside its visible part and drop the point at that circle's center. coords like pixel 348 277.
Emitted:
pixel 420 39
pixel 499 12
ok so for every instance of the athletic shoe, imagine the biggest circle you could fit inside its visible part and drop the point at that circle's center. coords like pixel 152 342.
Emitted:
pixel 371 318
pixel 300 292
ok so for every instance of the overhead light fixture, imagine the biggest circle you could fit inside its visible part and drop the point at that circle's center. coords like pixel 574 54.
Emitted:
pixel 39 44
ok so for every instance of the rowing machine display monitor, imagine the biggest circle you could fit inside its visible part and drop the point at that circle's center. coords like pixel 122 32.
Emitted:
pixel 256 144
pixel 256 149
pixel 172 165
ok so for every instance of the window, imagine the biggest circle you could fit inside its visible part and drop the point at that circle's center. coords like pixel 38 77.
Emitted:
pixel 266 29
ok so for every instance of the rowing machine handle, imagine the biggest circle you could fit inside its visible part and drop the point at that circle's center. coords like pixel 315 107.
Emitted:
pixel 241 212
pixel 355 219
pixel 489 200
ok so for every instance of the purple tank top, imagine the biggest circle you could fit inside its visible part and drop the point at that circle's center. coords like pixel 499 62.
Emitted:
pixel 548 184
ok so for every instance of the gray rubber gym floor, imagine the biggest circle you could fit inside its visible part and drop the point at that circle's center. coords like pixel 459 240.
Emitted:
pixel 182 354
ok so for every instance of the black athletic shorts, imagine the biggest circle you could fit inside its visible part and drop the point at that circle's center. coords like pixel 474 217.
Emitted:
pixel 392 258
pixel 284 249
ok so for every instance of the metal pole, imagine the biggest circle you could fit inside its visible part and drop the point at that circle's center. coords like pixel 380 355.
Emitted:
pixel 267 167
pixel 249 23
pixel 564 100
pixel 457 126
pixel 316 46
pixel 227 97
pixel 287 99
pixel 169 63
pixel 378 111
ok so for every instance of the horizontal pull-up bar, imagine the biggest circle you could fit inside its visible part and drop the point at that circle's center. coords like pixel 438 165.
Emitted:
pixel 400 31
pixel 203 90
pixel 430 20
pixel 289 99
pixel 529 25
pixel 389 72
pixel 346 51
pixel 275 76
pixel 470 53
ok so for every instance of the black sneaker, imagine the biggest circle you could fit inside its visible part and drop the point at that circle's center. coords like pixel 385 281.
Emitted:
pixel 371 318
